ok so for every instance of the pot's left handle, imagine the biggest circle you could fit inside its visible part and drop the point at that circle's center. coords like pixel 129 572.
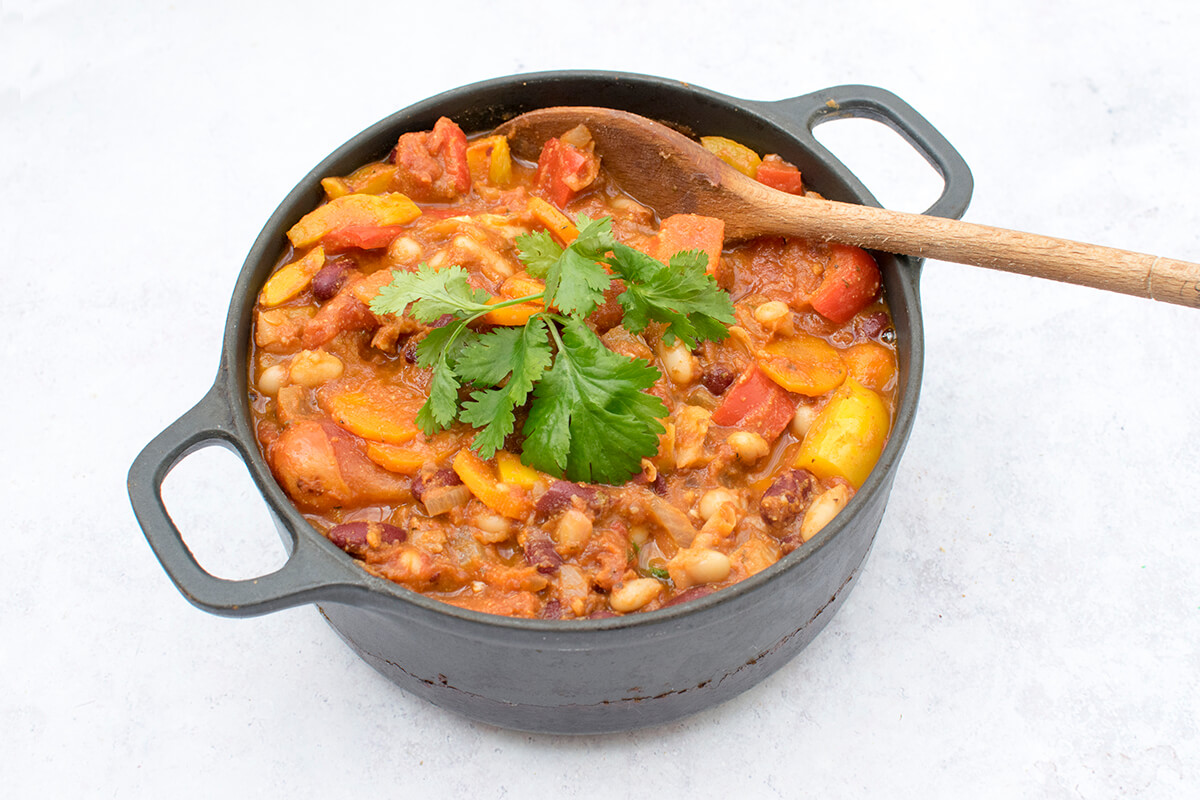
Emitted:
pixel 295 583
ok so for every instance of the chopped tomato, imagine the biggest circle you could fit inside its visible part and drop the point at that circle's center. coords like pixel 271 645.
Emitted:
pixel 850 283
pixel 691 232
pixel 779 174
pixel 364 237
pixel 448 141
pixel 757 404
pixel 432 165
pixel 563 171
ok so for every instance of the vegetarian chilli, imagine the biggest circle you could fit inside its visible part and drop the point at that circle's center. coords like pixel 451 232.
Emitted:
pixel 511 387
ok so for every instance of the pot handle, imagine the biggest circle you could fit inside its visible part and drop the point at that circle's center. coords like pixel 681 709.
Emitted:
pixel 870 102
pixel 295 583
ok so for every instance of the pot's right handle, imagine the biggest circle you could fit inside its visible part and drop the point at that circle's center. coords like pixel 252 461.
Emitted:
pixel 297 582
pixel 871 102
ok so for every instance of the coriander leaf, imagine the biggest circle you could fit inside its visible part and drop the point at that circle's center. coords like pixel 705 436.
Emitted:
pixel 590 415
pixel 679 293
pixel 523 352
pixel 442 406
pixel 431 292
pixel 433 347
pixel 438 351
pixel 537 251
pixel 576 280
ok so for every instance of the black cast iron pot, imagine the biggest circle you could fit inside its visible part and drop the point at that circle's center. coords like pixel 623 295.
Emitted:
pixel 581 676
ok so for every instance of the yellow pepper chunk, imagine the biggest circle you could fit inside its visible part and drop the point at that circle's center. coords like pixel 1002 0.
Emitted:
pixel 847 436
pixel 736 155
pixel 292 279
pixel 392 208
pixel 500 496
pixel 490 161
pixel 513 472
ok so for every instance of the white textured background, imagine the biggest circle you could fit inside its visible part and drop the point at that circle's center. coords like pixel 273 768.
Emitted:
pixel 1028 624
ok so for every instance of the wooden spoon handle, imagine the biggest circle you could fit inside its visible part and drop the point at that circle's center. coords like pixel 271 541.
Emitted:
pixel 1137 274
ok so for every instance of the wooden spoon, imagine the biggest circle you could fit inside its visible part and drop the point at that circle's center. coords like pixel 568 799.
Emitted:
pixel 675 175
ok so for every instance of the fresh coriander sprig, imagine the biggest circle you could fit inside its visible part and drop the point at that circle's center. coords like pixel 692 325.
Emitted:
pixel 589 414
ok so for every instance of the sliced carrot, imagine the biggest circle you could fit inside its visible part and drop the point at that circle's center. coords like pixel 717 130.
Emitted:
pixel 691 232
pixel 555 221
pixel 373 413
pixel 408 458
pixel 803 363
pixel 512 316
pixel 478 475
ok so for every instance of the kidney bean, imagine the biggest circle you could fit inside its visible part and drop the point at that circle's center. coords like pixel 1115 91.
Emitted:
pixel 687 595
pixel 433 479
pixel 717 378
pixel 559 496
pixel 552 610
pixel 540 553
pixel 786 498
pixel 330 278
pixel 873 325
pixel 355 537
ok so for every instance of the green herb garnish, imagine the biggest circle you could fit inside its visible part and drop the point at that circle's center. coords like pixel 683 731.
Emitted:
pixel 590 416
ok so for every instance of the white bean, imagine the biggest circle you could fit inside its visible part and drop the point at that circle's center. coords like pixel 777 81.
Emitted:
pixel 748 447
pixel 404 251
pixel 679 363
pixel 713 499
pixel 823 509
pixel 632 595
pixel 802 420
pixel 705 566
pixel 314 367
pixel 573 531
pixel 775 316
pixel 273 379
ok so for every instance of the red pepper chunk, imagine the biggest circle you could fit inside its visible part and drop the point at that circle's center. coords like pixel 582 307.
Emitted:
pixel 563 171
pixel 779 174
pixel 364 237
pixel 757 404
pixel 850 283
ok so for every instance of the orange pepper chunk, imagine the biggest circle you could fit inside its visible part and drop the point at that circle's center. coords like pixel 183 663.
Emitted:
pixel 292 279
pixel 506 499
pixel 871 364
pixel 392 208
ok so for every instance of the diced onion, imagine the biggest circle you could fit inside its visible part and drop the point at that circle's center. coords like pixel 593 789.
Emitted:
pixel 442 499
